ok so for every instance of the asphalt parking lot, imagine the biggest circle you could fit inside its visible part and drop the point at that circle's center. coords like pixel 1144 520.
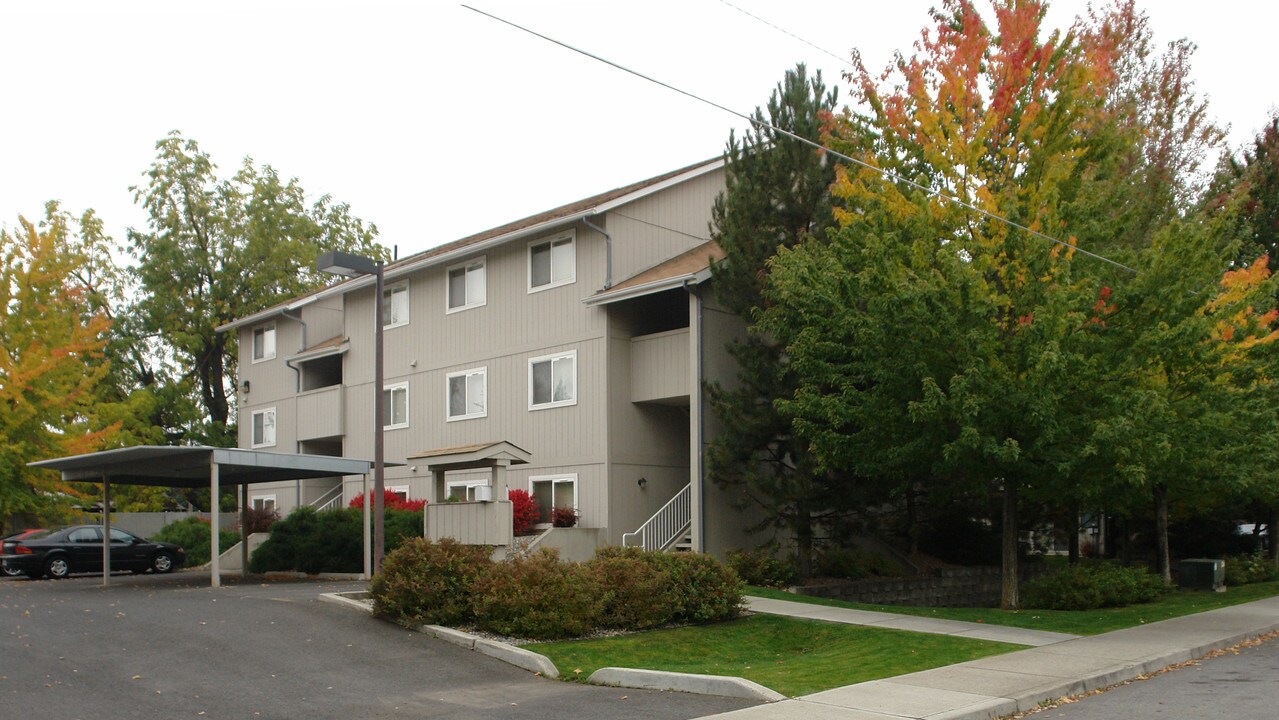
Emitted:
pixel 161 647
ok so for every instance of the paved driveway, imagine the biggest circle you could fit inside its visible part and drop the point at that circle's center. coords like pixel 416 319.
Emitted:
pixel 171 647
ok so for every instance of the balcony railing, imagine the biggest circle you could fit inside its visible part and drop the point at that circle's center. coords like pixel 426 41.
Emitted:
pixel 660 366
pixel 321 413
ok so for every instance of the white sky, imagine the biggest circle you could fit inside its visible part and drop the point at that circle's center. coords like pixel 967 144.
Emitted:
pixel 435 122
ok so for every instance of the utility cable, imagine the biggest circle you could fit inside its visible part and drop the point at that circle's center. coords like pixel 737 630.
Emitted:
pixel 862 163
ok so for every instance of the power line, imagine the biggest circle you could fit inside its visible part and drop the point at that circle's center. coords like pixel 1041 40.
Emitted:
pixel 788 33
pixel 759 123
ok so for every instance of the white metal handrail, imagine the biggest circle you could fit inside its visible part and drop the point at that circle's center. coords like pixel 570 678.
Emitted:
pixel 324 502
pixel 666 525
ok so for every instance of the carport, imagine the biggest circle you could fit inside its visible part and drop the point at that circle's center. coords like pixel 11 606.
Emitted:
pixel 192 467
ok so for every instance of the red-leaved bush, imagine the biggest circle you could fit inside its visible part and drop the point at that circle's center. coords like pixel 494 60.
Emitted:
pixel 563 517
pixel 524 511
pixel 391 501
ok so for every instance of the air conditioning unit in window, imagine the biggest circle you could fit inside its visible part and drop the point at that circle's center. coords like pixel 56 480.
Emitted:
pixel 483 493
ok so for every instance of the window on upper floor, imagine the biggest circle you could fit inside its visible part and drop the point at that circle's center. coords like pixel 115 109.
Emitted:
pixel 551 262
pixel 263 342
pixel 552 381
pixel 395 406
pixel 263 433
pixel 395 305
pixel 468 394
pixel 466 285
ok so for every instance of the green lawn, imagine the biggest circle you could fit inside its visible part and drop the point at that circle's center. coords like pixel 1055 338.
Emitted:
pixel 793 657
pixel 1077 622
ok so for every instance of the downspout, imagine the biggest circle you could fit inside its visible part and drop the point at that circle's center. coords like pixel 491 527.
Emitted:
pixel 297 371
pixel 608 250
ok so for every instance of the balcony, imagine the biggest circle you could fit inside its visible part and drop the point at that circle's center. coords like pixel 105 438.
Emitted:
pixel 321 413
pixel 660 367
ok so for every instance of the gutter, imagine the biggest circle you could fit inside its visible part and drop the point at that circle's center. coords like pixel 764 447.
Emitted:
pixel 297 371
pixel 608 251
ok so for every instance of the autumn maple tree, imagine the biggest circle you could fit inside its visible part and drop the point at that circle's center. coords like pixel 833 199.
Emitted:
pixel 51 364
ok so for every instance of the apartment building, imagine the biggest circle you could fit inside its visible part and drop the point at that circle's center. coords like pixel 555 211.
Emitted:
pixel 563 354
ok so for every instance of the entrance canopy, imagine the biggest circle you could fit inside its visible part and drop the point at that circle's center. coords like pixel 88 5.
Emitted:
pixel 194 467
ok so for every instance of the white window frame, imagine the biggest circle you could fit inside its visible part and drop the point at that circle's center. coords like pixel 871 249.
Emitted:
pixel 470 303
pixel 397 489
pixel 468 488
pixel 553 403
pixel 390 290
pixel 554 480
pixel 391 408
pixel 253 343
pixel 275 418
pixel 571 236
pixel 262 500
pixel 448 396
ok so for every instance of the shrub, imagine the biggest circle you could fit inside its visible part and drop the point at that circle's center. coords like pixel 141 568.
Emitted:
pixel 425 582
pixel 313 542
pixel 759 567
pixel 524 512
pixel 563 517
pixel 194 536
pixel 854 564
pixel 260 519
pixel 702 588
pixel 632 589
pixel 390 501
pixel 536 597
pixel 1087 586
pixel 1252 568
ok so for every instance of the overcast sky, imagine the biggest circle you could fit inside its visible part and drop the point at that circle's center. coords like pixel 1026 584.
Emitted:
pixel 435 122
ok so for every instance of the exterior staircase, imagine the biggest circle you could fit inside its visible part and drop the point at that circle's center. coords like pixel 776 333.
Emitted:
pixel 669 529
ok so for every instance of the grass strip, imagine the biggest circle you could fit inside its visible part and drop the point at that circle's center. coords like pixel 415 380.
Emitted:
pixel 1076 622
pixel 793 657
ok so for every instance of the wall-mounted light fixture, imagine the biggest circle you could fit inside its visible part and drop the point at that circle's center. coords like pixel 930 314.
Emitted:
pixel 245 386
pixel 643 482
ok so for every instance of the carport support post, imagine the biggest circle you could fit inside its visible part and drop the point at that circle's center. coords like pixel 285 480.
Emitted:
pixel 244 529
pixel 368 535
pixel 215 580
pixel 106 530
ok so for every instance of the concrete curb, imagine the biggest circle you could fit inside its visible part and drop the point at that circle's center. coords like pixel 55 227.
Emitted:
pixel 449 635
pixel 347 599
pixel 684 682
pixel 519 657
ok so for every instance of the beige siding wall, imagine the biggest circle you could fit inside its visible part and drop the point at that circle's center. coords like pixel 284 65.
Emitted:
pixel 471 523
pixel 662 225
pixel 320 413
pixel 659 366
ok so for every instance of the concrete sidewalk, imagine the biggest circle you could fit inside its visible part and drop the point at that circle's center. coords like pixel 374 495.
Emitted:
pixel 1018 681
pixel 892 621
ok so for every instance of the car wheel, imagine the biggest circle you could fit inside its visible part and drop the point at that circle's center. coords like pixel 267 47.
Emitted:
pixel 57 567
pixel 162 562
pixel 11 572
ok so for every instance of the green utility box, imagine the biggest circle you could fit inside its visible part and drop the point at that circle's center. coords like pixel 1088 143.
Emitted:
pixel 1202 574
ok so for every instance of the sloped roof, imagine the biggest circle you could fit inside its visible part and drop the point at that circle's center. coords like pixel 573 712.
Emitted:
pixel 690 266
pixel 510 231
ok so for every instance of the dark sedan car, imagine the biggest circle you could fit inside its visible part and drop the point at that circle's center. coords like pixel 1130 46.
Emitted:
pixel 8 542
pixel 77 549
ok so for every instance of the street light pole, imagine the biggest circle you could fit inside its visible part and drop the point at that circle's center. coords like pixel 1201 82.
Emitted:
pixel 348 265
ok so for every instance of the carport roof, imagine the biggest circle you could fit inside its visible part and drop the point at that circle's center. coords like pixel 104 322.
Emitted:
pixel 188 466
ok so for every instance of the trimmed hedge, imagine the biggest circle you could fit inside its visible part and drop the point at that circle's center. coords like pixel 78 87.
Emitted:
pixel 193 535
pixel 1092 585
pixel 537 597
pixel 329 541
pixel 426 582
pixel 541 597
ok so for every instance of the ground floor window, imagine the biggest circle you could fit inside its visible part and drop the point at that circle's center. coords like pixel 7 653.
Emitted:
pixel 400 491
pixel 464 490
pixel 263 502
pixel 553 491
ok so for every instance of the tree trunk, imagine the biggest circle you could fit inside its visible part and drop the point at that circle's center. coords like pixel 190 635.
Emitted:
pixel 803 542
pixel 1161 532
pixel 1274 538
pixel 1009 599
pixel 1072 528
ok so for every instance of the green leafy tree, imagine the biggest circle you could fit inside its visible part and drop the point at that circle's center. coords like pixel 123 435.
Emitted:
pixel 218 249
pixel 777 196
pixel 51 365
